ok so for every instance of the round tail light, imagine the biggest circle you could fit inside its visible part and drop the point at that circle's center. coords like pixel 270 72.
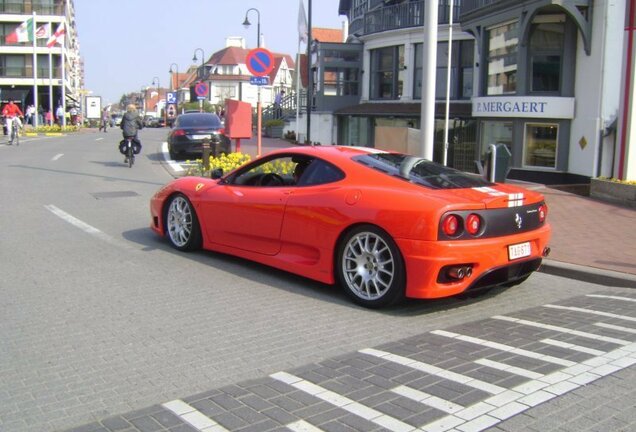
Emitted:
pixel 473 224
pixel 543 212
pixel 450 225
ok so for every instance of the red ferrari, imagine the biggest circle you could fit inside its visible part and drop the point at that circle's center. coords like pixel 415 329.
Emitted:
pixel 382 225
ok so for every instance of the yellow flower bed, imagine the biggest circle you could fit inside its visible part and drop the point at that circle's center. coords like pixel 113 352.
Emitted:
pixel 615 180
pixel 227 162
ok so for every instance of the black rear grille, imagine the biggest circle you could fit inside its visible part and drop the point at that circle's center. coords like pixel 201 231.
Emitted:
pixel 505 275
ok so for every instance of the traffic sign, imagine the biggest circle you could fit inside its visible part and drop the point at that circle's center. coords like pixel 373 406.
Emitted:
pixel 259 81
pixel 259 62
pixel 171 97
pixel 172 111
pixel 201 89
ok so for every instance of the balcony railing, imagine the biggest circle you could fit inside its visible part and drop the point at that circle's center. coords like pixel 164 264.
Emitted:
pixel 403 15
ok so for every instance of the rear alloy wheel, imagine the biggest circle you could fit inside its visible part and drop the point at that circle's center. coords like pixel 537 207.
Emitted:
pixel 370 268
pixel 182 225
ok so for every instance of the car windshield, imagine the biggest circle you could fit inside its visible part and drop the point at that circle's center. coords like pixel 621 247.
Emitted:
pixel 199 119
pixel 421 171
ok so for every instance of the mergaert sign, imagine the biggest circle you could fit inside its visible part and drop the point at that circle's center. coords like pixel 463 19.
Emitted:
pixel 524 106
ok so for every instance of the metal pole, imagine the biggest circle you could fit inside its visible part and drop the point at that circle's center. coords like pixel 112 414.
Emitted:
pixel 448 79
pixel 309 75
pixel 428 85
pixel 259 112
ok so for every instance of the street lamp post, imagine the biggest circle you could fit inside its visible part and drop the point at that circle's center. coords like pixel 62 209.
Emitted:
pixel 194 58
pixel 246 24
pixel 155 82
pixel 171 84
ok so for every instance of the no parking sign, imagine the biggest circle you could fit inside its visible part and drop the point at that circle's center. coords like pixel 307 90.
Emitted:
pixel 259 62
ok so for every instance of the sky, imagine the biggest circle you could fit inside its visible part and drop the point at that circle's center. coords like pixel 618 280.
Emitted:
pixel 126 44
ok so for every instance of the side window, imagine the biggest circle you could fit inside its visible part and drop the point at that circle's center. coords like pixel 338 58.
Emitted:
pixel 320 172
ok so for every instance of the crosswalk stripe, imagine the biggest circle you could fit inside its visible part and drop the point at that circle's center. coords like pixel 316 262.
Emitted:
pixel 510 369
pixel 434 370
pixel 562 330
pixel 629 299
pixel 504 347
pixel 616 327
pixel 193 417
pixel 428 399
pixel 343 402
pixel 590 311
pixel 302 426
pixel 572 347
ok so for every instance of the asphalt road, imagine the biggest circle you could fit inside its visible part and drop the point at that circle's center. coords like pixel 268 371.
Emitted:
pixel 105 327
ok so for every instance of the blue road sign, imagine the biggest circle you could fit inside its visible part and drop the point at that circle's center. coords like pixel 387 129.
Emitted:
pixel 171 97
pixel 259 81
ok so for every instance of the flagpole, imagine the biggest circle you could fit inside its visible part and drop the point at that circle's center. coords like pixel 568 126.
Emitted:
pixel 51 86
pixel 63 47
pixel 35 72
pixel 298 92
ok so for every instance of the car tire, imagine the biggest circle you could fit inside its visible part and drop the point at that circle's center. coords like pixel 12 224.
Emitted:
pixel 181 224
pixel 370 268
pixel 172 153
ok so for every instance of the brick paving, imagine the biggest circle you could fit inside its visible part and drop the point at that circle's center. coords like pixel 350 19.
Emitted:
pixel 440 381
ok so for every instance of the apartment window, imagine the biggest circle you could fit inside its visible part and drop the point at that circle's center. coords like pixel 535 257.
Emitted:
pixel 461 80
pixel 387 72
pixel 540 145
pixel 546 53
pixel 12 66
pixel 341 81
pixel 502 59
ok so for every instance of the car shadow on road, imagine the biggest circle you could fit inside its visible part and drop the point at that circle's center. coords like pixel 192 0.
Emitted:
pixel 292 283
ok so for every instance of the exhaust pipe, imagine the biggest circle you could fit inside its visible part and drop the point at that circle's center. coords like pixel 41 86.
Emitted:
pixel 459 272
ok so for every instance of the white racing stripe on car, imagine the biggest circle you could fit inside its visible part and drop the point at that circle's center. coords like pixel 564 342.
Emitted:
pixel 175 166
pixel 193 417
pixel 85 227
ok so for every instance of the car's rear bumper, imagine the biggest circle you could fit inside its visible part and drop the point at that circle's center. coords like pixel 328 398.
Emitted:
pixel 426 263
pixel 196 146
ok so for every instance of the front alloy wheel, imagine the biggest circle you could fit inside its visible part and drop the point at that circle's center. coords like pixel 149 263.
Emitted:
pixel 182 224
pixel 370 267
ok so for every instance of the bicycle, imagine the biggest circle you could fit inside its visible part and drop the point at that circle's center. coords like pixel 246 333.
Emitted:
pixel 14 134
pixel 130 151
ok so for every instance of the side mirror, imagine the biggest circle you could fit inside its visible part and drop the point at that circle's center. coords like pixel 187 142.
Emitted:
pixel 216 173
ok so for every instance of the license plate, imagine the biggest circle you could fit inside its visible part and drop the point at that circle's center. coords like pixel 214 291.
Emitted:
pixel 201 137
pixel 517 251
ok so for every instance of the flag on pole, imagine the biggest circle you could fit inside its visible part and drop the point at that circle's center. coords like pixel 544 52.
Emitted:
pixel 302 23
pixel 23 33
pixel 43 31
pixel 57 37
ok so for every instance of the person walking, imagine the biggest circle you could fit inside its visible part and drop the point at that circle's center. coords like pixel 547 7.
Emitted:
pixel 105 119
pixel 59 115
pixel 278 100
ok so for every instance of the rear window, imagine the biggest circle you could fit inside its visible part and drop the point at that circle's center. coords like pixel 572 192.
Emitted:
pixel 199 119
pixel 421 171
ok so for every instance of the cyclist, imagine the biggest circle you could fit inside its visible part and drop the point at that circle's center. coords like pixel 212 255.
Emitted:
pixel 10 112
pixel 131 123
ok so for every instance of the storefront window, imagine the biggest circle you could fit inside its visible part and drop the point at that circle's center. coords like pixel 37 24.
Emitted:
pixel 495 132
pixel 502 59
pixel 540 145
